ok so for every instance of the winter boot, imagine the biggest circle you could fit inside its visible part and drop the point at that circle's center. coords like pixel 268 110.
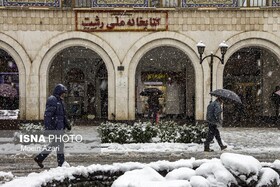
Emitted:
pixel 207 149
pixel 40 163
pixel 223 147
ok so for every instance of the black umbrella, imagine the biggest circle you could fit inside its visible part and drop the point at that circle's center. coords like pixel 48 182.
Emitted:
pixel 151 91
pixel 226 94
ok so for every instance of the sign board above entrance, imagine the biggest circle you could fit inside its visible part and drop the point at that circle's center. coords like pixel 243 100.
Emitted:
pixel 121 20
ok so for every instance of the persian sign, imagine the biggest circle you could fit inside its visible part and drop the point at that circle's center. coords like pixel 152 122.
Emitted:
pixel 94 21
pixel 120 3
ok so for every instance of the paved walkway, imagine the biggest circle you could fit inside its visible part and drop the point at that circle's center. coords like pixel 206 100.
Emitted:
pixel 262 143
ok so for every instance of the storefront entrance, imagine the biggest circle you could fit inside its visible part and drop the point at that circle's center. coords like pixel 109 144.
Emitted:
pixel 169 70
pixel 85 75
pixel 9 82
pixel 250 72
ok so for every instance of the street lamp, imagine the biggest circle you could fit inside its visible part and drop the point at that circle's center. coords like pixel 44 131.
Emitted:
pixel 201 47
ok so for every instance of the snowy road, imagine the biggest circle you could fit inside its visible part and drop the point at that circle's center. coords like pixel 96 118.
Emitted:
pixel 262 143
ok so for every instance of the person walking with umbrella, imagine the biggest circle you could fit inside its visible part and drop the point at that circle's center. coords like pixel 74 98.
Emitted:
pixel 153 103
pixel 153 95
pixel 213 117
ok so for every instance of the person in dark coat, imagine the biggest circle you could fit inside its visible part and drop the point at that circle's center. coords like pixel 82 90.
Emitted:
pixel 276 102
pixel 213 117
pixel 153 103
pixel 55 121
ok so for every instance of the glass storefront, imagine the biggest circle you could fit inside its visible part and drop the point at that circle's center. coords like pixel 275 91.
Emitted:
pixel 84 74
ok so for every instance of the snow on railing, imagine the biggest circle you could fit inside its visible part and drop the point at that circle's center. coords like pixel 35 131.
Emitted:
pixel 9 114
pixel 139 3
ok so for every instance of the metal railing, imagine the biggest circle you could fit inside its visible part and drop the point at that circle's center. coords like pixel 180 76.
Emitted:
pixel 139 3
pixel 252 3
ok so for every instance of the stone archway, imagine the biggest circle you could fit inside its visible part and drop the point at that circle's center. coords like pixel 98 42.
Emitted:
pixel 253 73
pixel 64 41
pixel 255 85
pixel 85 75
pixel 169 70
pixel 171 39
pixel 246 39
pixel 23 63
pixel 9 83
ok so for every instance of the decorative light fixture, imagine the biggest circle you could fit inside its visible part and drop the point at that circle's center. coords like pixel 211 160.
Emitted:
pixel 201 47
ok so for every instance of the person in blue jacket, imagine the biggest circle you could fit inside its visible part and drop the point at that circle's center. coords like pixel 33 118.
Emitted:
pixel 55 120
pixel 213 118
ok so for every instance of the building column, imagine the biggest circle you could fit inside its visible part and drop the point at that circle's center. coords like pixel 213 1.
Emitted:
pixel 32 98
pixel 121 100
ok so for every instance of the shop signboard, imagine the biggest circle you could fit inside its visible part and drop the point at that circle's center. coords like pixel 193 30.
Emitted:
pixel 165 77
pixel 121 20
pixel 120 3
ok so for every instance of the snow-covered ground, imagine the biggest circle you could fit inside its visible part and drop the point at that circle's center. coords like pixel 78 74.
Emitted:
pixel 195 172
pixel 239 140
pixel 230 169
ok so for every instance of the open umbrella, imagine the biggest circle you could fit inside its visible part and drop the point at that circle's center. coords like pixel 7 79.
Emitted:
pixel 226 94
pixel 7 90
pixel 151 91
pixel 277 92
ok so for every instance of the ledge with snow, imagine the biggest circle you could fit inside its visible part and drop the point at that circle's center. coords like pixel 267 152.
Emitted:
pixel 229 170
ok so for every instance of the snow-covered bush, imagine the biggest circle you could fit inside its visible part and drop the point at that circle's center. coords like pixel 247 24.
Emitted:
pixel 114 132
pixel 31 127
pixel 168 131
pixel 28 128
pixel 192 133
pixel 183 173
pixel 216 173
pixel 223 172
pixel 143 133
pixel 245 169
pixel 268 177
pixel 5 177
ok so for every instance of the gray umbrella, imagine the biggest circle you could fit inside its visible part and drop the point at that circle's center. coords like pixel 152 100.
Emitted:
pixel 151 91
pixel 226 94
pixel 277 92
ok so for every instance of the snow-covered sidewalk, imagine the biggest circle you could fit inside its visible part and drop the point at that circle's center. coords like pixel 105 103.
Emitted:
pixel 239 140
pixel 262 143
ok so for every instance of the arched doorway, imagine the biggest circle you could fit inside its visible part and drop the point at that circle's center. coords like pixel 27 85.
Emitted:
pixel 82 71
pixel 9 85
pixel 170 70
pixel 253 73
